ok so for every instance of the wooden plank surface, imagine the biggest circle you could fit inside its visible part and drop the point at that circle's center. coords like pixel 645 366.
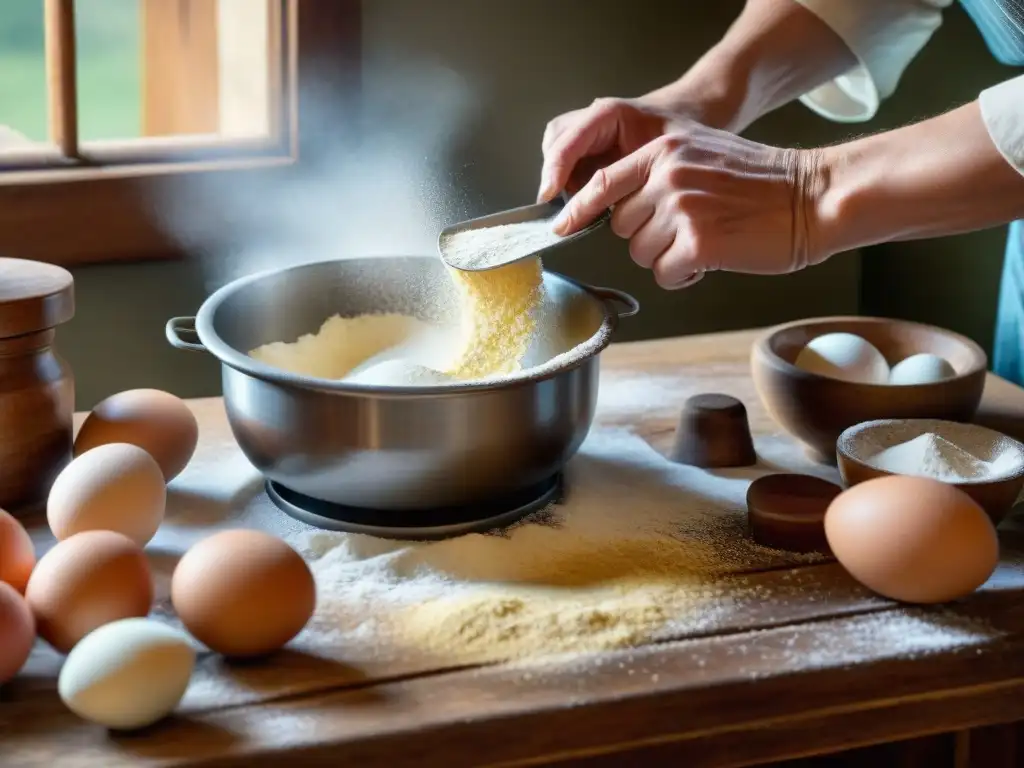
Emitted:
pixel 812 652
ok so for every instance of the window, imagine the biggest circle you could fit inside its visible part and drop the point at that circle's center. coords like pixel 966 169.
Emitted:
pixel 103 103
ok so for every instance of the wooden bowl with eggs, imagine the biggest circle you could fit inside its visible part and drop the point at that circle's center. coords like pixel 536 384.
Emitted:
pixel 816 408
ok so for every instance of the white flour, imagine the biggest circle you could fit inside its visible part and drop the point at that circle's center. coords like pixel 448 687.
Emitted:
pixel 909 633
pixel 478 248
pixel 930 455
pixel 397 372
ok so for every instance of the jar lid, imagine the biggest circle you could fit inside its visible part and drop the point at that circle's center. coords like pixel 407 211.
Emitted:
pixel 34 296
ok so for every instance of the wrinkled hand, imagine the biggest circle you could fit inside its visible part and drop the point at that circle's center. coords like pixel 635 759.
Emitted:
pixel 699 199
pixel 578 143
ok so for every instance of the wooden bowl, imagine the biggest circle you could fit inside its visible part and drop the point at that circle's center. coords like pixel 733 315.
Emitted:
pixel 996 493
pixel 816 409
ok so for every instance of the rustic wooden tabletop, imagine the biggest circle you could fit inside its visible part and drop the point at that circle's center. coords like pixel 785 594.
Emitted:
pixel 826 668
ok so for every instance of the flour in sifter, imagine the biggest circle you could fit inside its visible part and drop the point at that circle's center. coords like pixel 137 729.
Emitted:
pixel 489 246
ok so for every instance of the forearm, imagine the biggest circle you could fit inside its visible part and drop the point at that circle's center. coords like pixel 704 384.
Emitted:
pixel 939 177
pixel 774 52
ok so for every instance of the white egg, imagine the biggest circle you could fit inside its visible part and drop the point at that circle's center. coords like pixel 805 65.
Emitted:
pixel 923 368
pixel 127 674
pixel 844 356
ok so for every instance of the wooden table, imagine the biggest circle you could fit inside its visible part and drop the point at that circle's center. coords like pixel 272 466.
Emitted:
pixel 705 700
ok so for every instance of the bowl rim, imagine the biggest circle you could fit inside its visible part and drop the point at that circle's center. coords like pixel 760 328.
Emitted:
pixel 763 346
pixel 1016 473
pixel 243 363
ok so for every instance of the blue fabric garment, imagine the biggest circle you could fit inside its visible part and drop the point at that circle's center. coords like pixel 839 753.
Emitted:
pixel 1008 350
pixel 1001 23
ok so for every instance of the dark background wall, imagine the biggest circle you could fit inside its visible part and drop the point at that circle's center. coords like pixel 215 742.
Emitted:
pixel 527 61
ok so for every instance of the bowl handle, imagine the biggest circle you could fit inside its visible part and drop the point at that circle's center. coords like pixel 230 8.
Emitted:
pixel 177 326
pixel 614 296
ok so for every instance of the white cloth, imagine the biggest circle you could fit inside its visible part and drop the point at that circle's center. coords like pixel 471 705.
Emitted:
pixel 1002 109
pixel 885 36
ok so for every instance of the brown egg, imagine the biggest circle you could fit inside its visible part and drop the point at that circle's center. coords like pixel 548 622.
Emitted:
pixel 114 487
pixel 86 581
pixel 17 555
pixel 243 593
pixel 156 421
pixel 17 632
pixel 912 538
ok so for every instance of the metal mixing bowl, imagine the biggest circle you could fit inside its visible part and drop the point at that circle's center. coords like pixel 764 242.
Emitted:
pixel 400 448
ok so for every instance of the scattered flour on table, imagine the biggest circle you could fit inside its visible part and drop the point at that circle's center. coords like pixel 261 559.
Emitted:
pixel 904 633
pixel 487 246
pixel 639 548
pixel 930 455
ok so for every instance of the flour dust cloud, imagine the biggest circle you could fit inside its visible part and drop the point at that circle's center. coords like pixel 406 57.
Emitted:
pixel 385 188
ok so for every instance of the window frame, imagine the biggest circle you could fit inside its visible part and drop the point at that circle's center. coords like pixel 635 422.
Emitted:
pixel 97 209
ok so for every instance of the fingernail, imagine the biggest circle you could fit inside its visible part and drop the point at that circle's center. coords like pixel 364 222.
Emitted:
pixel 545 193
pixel 686 282
pixel 562 221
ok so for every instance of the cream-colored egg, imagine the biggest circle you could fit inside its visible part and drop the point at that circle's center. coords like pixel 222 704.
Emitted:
pixel 921 369
pixel 844 356
pixel 115 487
pixel 128 674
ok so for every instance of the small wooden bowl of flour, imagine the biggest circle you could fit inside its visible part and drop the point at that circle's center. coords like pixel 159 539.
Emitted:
pixel 987 465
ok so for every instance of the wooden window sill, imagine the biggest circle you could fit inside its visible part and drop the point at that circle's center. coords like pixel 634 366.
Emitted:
pixel 74 203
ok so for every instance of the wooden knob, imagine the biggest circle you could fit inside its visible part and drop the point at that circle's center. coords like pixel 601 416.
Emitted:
pixel 714 432
pixel 787 511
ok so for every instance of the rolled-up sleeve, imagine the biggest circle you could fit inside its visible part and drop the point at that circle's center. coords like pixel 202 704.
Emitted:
pixel 885 36
pixel 1002 109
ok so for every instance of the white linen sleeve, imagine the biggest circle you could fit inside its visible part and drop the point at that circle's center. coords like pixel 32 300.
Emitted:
pixel 885 36
pixel 1002 109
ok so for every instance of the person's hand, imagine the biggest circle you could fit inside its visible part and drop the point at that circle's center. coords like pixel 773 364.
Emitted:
pixel 578 143
pixel 699 199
